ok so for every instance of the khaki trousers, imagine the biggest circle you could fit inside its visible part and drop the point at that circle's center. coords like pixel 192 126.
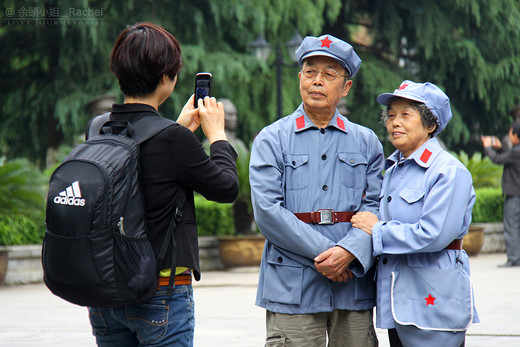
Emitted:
pixel 341 328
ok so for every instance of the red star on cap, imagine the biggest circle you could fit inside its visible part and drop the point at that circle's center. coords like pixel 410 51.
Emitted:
pixel 430 300
pixel 326 42
pixel 402 86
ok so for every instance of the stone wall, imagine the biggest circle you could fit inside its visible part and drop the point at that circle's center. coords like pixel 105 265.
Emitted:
pixel 493 237
pixel 24 265
pixel 209 254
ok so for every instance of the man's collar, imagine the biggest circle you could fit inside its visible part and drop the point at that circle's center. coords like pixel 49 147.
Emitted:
pixel 302 121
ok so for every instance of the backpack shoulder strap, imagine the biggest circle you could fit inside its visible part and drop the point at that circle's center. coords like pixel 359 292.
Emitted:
pixel 148 127
pixel 170 237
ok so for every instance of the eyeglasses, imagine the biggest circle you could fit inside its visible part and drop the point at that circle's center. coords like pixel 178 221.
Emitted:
pixel 329 75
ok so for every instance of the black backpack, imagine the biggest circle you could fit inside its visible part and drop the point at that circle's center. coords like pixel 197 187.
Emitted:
pixel 96 250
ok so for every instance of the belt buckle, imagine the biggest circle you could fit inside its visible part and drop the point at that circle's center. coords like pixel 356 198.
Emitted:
pixel 326 216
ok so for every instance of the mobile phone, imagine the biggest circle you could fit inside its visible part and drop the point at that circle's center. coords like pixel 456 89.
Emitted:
pixel 202 86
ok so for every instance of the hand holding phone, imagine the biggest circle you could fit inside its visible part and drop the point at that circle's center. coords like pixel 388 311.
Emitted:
pixel 212 119
pixel 189 116
pixel 202 86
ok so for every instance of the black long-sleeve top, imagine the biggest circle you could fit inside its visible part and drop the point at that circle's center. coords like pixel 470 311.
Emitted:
pixel 173 158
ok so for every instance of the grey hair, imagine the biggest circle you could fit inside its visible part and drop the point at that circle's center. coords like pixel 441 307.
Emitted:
pixel 427 117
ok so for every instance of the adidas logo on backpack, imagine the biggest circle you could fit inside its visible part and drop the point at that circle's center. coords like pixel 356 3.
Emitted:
pixel 96 251
pixel 70 196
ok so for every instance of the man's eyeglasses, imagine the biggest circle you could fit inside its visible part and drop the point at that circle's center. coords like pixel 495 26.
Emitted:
pixel 329 75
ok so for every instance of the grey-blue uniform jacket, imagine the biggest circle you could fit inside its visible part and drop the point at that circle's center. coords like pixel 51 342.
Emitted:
pixel 426 203
pixel 296 167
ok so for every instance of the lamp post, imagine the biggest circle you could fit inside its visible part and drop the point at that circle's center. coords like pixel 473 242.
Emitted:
pixel 261 49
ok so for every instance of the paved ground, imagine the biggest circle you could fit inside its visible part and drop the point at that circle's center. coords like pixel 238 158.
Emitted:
pixel 226 315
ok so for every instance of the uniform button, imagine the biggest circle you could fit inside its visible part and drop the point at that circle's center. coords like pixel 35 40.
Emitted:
pixel 400 164
pixel 293 162
pixel 322 130
pixel 352 161
pixel 385 261
pixel 324 157
pixel 280 259
pixel 325 187
pixel 389 199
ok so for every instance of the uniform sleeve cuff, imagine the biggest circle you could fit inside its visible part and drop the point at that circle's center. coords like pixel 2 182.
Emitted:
pixel 377 241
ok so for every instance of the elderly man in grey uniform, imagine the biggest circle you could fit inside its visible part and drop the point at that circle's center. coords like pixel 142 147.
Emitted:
pixel 309 172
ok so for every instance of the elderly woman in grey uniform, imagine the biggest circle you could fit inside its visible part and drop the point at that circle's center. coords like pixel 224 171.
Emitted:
pixel 424 294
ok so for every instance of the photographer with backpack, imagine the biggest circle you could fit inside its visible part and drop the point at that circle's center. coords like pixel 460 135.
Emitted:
pixel 146 60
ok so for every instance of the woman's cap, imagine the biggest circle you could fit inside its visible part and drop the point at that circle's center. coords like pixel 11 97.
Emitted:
pixel 332 47
pixel 427 93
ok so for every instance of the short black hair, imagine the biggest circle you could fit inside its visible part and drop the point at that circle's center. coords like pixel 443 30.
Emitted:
pixel 142 55
pixel 427 117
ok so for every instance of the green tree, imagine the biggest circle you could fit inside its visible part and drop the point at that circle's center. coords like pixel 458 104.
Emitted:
pixel 467 47
pixel 22 203
pixel 49 72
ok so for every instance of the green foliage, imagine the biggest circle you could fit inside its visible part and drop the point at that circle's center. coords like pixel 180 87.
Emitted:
pixel 484 172
pixel 465 46
pixel 469 48
pixel 213 218
pixel 20 230
pixel 21 188
pixel 21 204
pixel 489 206
pixel 243 173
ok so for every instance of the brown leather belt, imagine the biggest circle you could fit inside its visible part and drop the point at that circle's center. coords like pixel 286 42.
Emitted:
pixel 456 244
pixel 324 216
pixel 179 280
pixel 327 216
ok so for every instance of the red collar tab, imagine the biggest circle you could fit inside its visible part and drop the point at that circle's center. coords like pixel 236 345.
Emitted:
pixel 300 122
pixel 341 123
pixel 425 156
pixel 326 42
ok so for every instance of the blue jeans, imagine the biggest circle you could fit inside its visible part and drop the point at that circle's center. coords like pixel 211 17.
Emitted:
pixel 162 321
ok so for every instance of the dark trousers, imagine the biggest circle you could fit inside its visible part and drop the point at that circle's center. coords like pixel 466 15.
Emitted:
pixel 512 228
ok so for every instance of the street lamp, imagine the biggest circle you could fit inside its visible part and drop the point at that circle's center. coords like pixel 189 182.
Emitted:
pixel 261 49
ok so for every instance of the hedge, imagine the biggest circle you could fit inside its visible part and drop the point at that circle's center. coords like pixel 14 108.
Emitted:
pixel 489 206
pixel 20 230
pixel 213 218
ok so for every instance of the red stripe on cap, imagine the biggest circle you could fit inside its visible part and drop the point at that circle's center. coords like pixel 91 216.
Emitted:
pixel 341 123
pixel 425 156
pixel 300 122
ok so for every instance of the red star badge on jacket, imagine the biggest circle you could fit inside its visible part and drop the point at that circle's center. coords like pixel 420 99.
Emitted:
pixel 430 300
pixel 326 42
